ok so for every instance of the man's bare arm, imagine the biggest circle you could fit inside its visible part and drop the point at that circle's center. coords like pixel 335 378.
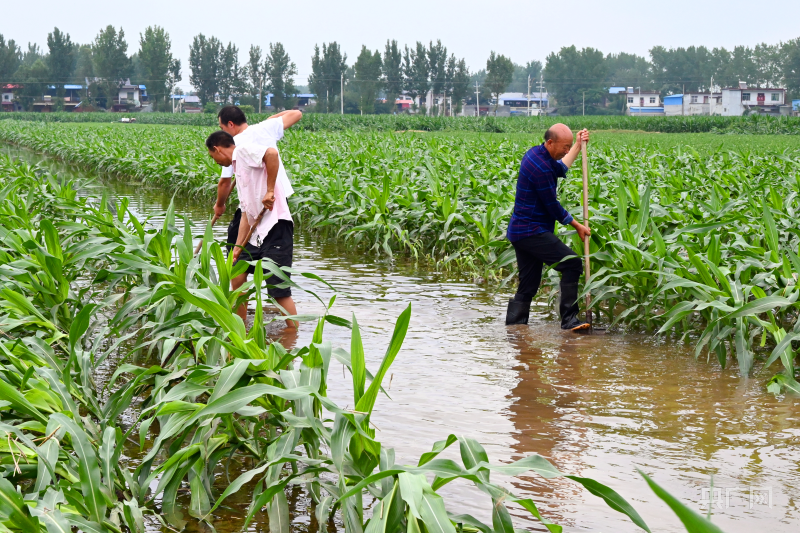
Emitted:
pixel 272 162
pixel 576 148
pixel 224 188
pixel 290 117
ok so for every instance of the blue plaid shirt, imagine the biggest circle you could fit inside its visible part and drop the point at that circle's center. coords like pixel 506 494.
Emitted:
pixel 536 206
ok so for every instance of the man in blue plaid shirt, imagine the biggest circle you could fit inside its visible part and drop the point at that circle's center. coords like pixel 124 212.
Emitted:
pixel 532 227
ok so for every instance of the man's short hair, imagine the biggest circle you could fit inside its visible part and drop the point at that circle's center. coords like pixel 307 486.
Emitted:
pixel 219 138
pixel 231 113
pixel 549 134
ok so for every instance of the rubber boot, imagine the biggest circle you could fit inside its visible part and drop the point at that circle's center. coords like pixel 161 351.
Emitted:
pixel 517 312
pixel 568 307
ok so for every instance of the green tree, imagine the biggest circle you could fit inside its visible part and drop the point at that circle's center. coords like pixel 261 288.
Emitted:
pixel 437 63
pixel 204 62
pixel 519 82
pixel 327 70
pixel 367 79
pixel 417 72
pixel 157 67
pixel 231 82
pixel 111 63
pixel 499 73
pixel 392 73
pixel 34 80
pixel 461 88
pixel 791 66
pixel 628 70
pixel 84 74
pixel 572 74
pixel 61 59
pixel 32 55
pixel 281 71
pixel 256 71
pixel 676 68
pixel 10 58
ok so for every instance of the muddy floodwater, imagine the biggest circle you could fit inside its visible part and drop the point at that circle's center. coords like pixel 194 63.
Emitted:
pixel 601 406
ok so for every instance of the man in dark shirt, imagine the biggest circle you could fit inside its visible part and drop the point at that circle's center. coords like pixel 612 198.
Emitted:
pixel 532 227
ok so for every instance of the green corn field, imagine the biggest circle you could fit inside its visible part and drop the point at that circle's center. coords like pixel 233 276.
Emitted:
pixel 84 283
pixel 699 245
pixel 755 124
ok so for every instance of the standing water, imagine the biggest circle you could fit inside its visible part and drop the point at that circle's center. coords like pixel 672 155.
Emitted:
pixel 600 407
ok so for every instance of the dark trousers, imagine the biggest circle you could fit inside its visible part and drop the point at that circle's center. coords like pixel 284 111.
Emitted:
pixel 537 250
pixel 233 230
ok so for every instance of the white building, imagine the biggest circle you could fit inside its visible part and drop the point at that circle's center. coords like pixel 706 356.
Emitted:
pixel 692 104
pixel 643 102
pixel 518 102
pixel 134 94
pixel 737 100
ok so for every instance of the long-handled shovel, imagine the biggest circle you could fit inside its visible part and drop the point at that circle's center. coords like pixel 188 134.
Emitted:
pixel 200 244
pixel 252 227
pixel 587 270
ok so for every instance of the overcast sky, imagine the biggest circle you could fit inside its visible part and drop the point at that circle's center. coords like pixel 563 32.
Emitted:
pixel 522 30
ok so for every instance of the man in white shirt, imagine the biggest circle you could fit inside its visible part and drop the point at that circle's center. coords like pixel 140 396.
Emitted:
pixel 233 121
pixel 259 187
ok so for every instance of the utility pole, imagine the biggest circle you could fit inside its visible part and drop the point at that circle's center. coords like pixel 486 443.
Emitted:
pixel 341 96
pixel 477 100
pixel 683 100
pixel 541 94
pixel 529 95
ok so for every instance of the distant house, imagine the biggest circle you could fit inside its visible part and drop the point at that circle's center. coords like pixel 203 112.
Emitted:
pixel 737 100
pixel 796 107
pixel 7 97
pixel 403 103
pixel 518 102
pixel 696 103
pixel 643 102
pixel 130 95
pixel 191 104
pixel 304 100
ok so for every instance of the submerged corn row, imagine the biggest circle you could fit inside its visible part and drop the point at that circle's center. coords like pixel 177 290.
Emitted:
pixel 84 284
pixel 755 124
pixel 682 242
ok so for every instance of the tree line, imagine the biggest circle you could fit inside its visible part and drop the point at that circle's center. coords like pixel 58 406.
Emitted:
pixel 572 77
pixel 573 74
pixel 104 63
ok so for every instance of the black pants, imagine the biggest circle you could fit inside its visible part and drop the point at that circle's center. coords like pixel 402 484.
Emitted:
pixel 233 230
pixel 537 250
pixel 278 245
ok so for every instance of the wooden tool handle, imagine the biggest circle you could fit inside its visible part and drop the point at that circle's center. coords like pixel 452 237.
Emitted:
pixel 586 266
pixel 252 228
pixel 200 244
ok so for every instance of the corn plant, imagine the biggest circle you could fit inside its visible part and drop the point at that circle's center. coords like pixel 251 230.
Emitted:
pixel 682 243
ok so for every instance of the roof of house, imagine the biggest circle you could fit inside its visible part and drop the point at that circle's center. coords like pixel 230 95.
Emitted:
pixel 764 89
pixel 522 96
pixel 11 86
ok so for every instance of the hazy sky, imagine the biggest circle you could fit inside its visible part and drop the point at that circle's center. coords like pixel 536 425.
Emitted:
pixel 470 29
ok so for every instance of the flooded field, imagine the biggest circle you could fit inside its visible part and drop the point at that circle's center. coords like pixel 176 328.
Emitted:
pixel 595 406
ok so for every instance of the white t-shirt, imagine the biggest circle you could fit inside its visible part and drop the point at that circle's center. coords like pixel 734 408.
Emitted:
pixel 251 185
pixel 267 134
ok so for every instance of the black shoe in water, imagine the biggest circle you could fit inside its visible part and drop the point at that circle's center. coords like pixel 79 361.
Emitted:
pixel 568 307
pixel 517 312
pixel 576 325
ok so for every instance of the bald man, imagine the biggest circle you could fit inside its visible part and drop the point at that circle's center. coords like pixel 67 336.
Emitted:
pixel 532 227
